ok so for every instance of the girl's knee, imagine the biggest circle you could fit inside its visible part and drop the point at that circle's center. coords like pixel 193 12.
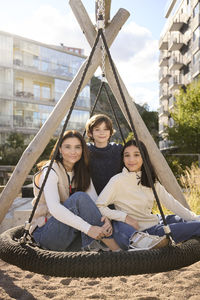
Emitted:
pixel 82 198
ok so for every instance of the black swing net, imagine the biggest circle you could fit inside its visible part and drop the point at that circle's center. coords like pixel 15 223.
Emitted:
pixel 17 249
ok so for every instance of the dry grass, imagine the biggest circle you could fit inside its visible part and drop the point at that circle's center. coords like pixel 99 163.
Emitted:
pixel 190 182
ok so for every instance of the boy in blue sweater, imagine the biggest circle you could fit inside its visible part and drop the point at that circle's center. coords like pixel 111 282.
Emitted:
pixel 105 157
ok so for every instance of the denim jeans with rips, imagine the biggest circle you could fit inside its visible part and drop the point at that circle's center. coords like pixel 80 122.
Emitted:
pixel 57 236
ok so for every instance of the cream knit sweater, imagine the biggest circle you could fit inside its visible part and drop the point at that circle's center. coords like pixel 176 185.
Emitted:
pixel 131 198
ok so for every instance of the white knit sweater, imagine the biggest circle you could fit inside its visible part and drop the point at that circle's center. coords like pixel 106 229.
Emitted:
pixel 131 198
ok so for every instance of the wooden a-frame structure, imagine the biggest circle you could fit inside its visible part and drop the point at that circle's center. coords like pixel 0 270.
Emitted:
pixel 38 144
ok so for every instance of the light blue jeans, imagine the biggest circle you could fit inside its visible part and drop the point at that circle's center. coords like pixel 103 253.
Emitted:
pixel 181 230
pixel 57 236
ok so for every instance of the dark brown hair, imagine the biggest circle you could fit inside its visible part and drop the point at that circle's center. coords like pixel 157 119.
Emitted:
pixel 81 167
pixel 97 120
pixel 144 177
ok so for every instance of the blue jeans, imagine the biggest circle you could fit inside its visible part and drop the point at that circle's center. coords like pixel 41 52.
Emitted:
pixel 55 235
pixel 181 230
pixel 122 233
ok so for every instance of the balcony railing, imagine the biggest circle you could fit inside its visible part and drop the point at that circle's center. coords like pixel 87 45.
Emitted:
pixel 178 22
pixel 163 44
pixel 176 43
pixel 50 69
pixel 164 75
pixel 163 58
pixel 164 94
pixel 176 62
pixel 163 111
pixel 175 82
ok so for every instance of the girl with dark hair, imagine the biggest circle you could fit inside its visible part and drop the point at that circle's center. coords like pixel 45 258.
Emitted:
pixel 133 198
pixel 66 206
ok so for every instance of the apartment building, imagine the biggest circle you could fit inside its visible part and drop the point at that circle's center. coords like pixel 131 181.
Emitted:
pixel 179 59
pixel 33 76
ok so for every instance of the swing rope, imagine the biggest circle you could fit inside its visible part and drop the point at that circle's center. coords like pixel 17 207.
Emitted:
pixel 103 85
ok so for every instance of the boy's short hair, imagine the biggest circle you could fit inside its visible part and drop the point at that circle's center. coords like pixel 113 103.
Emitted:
pixel 97 120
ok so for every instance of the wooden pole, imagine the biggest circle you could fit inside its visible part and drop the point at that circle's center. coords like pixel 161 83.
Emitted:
pixel 163 171
pixel 36 147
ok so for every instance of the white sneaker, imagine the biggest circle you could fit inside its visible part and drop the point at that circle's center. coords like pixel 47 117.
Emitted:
pixel 145 241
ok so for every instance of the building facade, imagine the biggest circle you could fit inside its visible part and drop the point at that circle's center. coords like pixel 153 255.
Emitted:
pixel 179 59
pixel 33 77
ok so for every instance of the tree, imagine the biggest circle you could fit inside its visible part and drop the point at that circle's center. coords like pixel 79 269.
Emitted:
pixel 185 134
pixel 13 148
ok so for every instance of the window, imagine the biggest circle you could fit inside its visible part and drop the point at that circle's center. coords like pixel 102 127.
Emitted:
pixel 42 91
pixel 36 91
pixel 19 86
pixel 196 10
pixel 196 34
pixel 196 57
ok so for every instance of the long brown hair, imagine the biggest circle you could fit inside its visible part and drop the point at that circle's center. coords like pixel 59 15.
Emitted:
pixel 144 177
pixel 81 167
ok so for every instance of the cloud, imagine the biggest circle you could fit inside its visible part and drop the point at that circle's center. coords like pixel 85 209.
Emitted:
pixel 134 51
pixel 48 25
pixel 130 40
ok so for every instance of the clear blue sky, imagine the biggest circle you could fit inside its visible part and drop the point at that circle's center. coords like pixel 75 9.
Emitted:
pixel 135 50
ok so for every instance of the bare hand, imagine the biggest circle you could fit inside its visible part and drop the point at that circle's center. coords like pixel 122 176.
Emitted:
pixel 107 227
pixel 129 220
pixel 96 232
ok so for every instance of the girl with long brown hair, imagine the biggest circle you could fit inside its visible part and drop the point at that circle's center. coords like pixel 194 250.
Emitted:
pixel 66 206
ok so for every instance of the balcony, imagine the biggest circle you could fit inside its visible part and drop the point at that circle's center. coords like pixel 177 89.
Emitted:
pixel 163 111
pixel 163 44
pixel 176 43
pixel 24 94
pixel 176 63
pixel 175 82
pixel 164 75
pixel 164 94
pixel 163 59
pixel 178 23
pixel 46 68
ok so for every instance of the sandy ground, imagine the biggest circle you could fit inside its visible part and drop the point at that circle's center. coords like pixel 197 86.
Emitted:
pixel 179 284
